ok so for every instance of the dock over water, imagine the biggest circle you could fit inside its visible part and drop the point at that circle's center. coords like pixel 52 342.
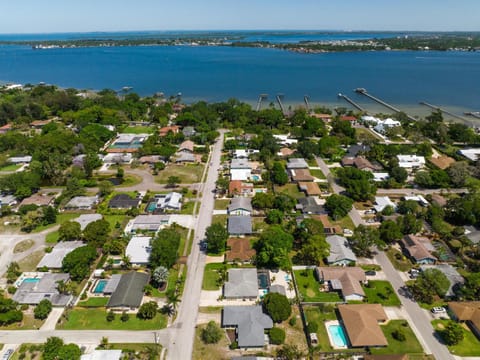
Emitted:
pixel 353 103
pixel 363 91
pixel 434 107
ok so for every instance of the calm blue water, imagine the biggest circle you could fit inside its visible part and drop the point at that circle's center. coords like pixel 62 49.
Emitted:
pixel 338 335
pixel 30 280
pixel 100 286
pixel 218 73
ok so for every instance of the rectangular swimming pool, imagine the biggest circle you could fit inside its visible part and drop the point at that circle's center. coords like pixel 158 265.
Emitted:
pixel 338 335
pixel 100 286
pixel 263 282
pixel 30 280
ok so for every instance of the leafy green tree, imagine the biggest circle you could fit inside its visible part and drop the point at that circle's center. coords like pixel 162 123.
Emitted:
pixel 390 231
pixel 148 310
pixel 277 306
pixel 96 233
pixel 9 313
pixel 338 206
pixel 363 240
pixel 279 175
pixel 263 201
pixel 69 230
pixel 274 216
pixel 430 283
pixel 277 336
pixel 329 146
pixel 77 263
pixel 289 352
pixel 273 247
pixel 165 248
pixel 212 333
pixel 49 215
pixel 105 188
pixel 216 236
pixel 160 275
pixel 284 202
pixel 313 250
pixel 399 174
pixel 42 310
pixel 409 224
pixel 358 183
pixel 52 348
pixel 459 172
pixel 453 333
pixel 13 272
pixel 173 181
pixel 124 317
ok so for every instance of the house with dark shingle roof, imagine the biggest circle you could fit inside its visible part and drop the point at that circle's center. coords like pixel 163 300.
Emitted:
pixel 129 291
pixel 241 284
pixel 123 201
pixel 239 225
pixel 250 323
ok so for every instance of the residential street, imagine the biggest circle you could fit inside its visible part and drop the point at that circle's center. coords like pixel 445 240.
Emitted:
pixel 419 320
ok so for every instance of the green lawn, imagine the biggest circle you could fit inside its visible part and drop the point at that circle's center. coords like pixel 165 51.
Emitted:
pixel 317 173
pixel 210 276
pixel 469 346
pixel 290 189
pixel 130 180
pixel 345 222
pixel 188 174
pixel 259 224
pixel 10 167
pixel 219 219
pixel 139 130
pixel 309 287
pixel 61 218
pixel 30 262
pixel 320 314
pixel 381 292
pixel 94 302
pixel 114 219
pixel 28 323
pixel 409 346
pixel 363 133
pixel 52 238
pixel 95 319
pixel 187 208
pixel 398 260
pixel 221 204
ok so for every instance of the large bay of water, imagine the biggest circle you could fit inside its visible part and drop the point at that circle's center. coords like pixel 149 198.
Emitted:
pixel 403 78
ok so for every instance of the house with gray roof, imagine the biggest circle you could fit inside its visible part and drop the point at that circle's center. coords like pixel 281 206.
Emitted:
pixel 151 223
pixel 103 355
pixel 456 280
pixel 86 219
pixel 7 200
pixel 241 284
pixel 129 291
pixel 82 203
pixel 123 201
pixel 309 205
pixel 250 323
pixel 32 292
pixel 340 252
pixel 239 225
pixel 53 259
pixel 241 206
pixel 185 157
pixel 297 163
pixel 112 284
pixel 188 131
pixel 138 250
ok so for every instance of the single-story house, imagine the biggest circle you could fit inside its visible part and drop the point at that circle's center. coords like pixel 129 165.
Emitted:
pixel 7 200
pixel 472 234
pixel 117 157
pixel 32 292
pixel 53 259
pixel 356 149
pixel 185 157
pixel 129 292
pixel 38 124
pixel 340 252
pixel 240 154
pixel 471 154
pixel 147 223
pixel 384 125
pixel 40 199
pixel 416 250
pixel 174 129
pixel 285 152
pixel 468 312
pixel 285 140
pixel 241 206
pixel 360 162
pixel 456 280
pixel 239 249
pixel 186 146
pixel 411 161
pixel 347 280
pixel 5 128
pixel 239 225
pixel 301 175
pixel 386 357
pixel 361 323
pixel 103 355
pixel 82 203
pixel 250 323
pixel 123 201
pixel 188 131
pixel 86 219
pixel 381 202
pixel 328 227
pixel 324 117
pixel 127 143
pixel 240 169
pixel 380 176
pixel 169 202
pixel 417 198
pixel 138 250
pixel 297 163
pixel 309 205
pixel 151 159
pixel 442 162
pixel 20 159
pixel 350 118
pixel 241 284
pixel 240 188
pixel 310 188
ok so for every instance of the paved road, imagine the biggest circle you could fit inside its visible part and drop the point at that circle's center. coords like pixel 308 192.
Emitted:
pixel 183 330
pixel 419 320
pixel 420 191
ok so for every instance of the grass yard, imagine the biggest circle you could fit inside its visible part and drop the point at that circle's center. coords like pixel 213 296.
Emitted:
pixel 309 287
pixel 114 219
pixel 210 309
pixel 320 314
pixel 381 292
pixel 130 180
pixel 259 224
pixel 30 262
pixel 345 222
pixel 290 189
pixel 28 323
pixel 10 167
pixel 61 218
pixel 409 346
pixel 138 130
pixel 187 208
pixel 317 173
pixel 469 346
pixel 294 333
pixel 95 319
pixel 221 204
pixel 94 302
pixel 188 174
pixel 363 134
pixel 52 238
pixel 203 351
pixel 211 276
pixel 398 260
pixel 219 219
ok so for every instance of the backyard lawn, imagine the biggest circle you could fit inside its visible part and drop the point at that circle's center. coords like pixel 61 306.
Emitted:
pixel 95 319
pixel 94 302
pixel 219 219
pixel 290 189
pixel 28 323
pixel 318 315
pixel 138 130
pixel 398 260
pixel 345 222
pixel 52 238
pixel 10 167
pixel 308 287
pixel 381 292
pixel 188 174
pixel 61 218
pixel 469 346
pixel 409 346
pixel 317 173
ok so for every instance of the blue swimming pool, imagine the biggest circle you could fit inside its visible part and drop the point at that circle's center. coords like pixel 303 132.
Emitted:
pixel 100 286
pixel 338 335
pixel 263 282
pixel 255 177
pixel 30 280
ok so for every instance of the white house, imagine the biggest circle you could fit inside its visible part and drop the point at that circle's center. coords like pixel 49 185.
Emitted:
pixel 240 169
pixel 20 159
pixel 138 250
pixel 172 201
pixel 383 125
pixel 380 176
pixel 285 140
pixel 382 202
pixel 411 161
pixel 471 154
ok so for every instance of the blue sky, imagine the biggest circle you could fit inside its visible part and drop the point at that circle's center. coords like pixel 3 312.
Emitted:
pixel 43 16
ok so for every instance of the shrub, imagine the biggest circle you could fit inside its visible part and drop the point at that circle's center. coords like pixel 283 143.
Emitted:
pixel 234 345
pixel 212 333
pixel 148 310
pixel 277 336
pixel 292 321
pixel 277 306
pixel 42 310
pixel 124 317
pixel 11 289
pixel 110 316
pixel 398 335
pixel 312 327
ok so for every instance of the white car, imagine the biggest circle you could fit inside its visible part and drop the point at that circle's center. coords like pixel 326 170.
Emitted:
pixel 438 310
pixel 7 354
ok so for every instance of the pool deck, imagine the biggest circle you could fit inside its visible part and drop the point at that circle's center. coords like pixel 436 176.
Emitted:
pixel 327 324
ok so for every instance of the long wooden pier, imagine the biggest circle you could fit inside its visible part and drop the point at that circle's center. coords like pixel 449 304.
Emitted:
pixel 363 91
pixel 434 107
pixel 353 103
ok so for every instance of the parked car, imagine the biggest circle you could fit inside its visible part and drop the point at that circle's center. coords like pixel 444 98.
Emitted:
pixel 438 310
pixel 347 231
pixel 370 211
pixel 7 354
pixel 370 273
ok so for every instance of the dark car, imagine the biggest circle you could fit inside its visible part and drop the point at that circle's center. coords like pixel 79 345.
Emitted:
pixel 370 273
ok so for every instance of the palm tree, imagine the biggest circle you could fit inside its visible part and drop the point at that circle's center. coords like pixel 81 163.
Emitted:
pixel 160 275
pixel 173 298
pixel 126 264
pixel 62 287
